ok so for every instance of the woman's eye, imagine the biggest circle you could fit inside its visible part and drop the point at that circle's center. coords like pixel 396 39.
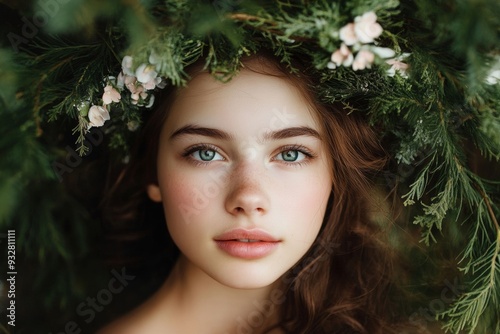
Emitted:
pixel 206 155
pixel 291 156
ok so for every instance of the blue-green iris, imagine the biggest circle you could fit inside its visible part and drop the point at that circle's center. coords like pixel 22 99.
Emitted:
pixel 291 155
pixel 207 155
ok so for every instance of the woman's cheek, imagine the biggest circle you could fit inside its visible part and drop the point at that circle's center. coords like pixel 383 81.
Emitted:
pixel 187 196
pixel 305 204
pixel 305 192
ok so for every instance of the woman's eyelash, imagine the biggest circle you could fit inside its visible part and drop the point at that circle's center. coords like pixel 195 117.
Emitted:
pixel 300 148
pixel 190 150
pixel 200 147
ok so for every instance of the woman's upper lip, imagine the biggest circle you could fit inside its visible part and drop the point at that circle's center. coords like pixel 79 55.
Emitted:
pixel 239 233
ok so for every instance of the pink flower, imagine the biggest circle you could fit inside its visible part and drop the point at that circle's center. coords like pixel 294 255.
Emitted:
pixel 364 59
pixel 110 95
pixel 367 28
pixel 138 93
pixel 151 84
pixel 342 56
pixel 348 35
pixel 397 65
pixel 130 83
pixel 98 115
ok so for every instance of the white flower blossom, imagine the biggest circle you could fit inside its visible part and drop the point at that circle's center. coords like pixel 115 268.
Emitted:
pixel 98 115
pixel 331 65
pixel 348 35
pixel 110 79
pixel 145 73
pixel 367 28
pixel 110 95
pixel 127 65
pixel 364 30
pixel 151 101
pixel 383 53
pixel 493 77
pixel 364 59
pixel 160 83
pixel 120 80
pixel 155 60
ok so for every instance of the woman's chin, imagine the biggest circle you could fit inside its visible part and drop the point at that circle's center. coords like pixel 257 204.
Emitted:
pixel 246 279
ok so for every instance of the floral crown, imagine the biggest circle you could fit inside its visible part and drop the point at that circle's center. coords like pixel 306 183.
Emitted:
pixel 137 82
pixel 426 71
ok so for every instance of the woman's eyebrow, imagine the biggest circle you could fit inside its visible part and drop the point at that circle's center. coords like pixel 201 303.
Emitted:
pixel 192 129
pixel 291 132
pixel 267 136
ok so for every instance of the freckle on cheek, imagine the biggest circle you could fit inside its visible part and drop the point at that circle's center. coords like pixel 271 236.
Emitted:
pixel 179 193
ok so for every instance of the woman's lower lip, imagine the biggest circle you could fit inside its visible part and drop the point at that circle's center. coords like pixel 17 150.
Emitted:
pixel 247 250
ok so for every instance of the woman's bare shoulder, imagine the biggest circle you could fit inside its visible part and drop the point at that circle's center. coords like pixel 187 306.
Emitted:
pixel 144 319
pixel 127 324
pixel 136 325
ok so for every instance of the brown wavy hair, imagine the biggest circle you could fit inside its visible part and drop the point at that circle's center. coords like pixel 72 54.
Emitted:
pixel 341 284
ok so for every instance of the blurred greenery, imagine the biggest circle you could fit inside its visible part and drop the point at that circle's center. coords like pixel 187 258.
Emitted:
pixel 441 126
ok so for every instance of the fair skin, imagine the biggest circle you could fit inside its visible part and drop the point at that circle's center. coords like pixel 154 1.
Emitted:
pixel 246 156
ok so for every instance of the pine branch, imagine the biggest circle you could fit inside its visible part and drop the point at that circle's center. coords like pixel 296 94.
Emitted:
pixel 81 129
pixel 481 299
pixel 490 209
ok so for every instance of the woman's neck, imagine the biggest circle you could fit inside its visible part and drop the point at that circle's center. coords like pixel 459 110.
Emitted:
pixel 196 303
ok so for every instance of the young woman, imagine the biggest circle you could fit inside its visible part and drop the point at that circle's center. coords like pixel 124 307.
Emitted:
pixel 265 194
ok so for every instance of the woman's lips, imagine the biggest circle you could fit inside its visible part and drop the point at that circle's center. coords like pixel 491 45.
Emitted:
pixel 247 244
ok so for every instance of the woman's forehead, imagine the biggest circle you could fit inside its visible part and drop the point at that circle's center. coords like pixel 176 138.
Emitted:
pixel 248 91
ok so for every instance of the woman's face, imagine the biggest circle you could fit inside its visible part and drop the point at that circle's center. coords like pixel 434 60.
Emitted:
pixel 244 177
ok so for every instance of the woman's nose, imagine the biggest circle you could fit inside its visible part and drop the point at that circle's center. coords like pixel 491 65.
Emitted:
pixel 247 195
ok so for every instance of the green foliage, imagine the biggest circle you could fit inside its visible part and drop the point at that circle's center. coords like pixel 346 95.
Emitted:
pixel 441 118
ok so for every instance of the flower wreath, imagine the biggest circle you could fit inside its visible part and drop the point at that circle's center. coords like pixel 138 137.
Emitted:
pixel 139 82
pixel 426 71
